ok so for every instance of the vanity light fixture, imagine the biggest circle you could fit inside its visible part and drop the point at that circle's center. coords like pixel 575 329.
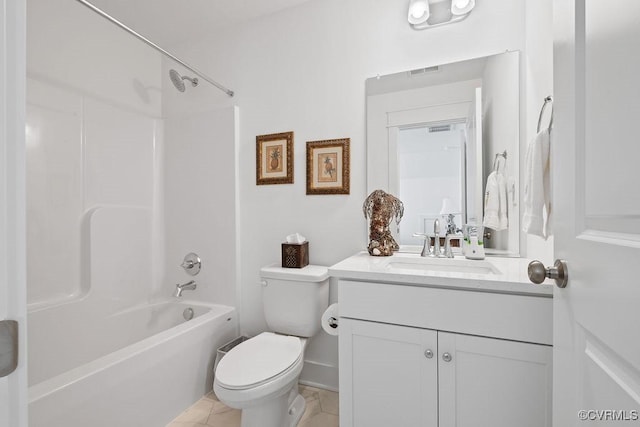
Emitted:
pixel 425 14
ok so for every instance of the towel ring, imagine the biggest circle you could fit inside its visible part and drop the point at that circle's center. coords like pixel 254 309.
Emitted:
pixel 547 100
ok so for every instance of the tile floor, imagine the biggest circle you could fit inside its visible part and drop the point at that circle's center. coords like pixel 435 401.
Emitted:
pixel 321 411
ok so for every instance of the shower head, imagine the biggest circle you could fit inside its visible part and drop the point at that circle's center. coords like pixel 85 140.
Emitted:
pixel 178 80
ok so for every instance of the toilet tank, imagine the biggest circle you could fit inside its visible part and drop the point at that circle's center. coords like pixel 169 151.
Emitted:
pixel 294 298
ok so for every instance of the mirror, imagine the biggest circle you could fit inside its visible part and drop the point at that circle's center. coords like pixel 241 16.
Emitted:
pixel 435 134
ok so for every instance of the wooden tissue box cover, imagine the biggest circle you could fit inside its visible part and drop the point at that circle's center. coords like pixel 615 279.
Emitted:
pixel 295 255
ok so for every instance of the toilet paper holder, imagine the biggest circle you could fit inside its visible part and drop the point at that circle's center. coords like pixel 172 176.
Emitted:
pixel 330 319
pixel 333 322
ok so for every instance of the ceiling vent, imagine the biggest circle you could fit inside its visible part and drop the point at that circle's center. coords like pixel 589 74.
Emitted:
pixel 441 128
pixel 426 70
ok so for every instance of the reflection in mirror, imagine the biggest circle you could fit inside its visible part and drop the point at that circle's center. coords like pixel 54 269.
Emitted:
pixel 432 135
pixel 430 156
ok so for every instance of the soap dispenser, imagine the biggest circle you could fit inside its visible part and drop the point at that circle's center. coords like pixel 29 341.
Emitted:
pixel 474 245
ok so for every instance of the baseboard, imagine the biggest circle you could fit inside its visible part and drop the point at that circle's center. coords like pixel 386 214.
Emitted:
pixel 320 375
pixel 315 385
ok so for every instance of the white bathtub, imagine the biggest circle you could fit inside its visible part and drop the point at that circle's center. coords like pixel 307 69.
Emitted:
pixel 140 367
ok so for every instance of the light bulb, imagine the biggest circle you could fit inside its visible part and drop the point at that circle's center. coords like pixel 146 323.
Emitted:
pixel 461 7
pixel 418 11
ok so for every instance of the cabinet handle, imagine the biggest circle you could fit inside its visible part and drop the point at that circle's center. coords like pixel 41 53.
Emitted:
pixel 428 354
pixel 446 357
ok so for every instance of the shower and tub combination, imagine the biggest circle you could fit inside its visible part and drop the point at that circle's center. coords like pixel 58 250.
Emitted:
pixel 115 157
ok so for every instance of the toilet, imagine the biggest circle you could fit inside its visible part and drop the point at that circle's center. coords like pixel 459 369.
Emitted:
pixel 260 375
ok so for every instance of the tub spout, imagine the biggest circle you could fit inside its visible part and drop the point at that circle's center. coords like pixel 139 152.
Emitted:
pixel 189 286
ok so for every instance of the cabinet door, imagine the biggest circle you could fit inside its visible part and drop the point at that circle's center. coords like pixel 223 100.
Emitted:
pixel 386 375
pixel 492 382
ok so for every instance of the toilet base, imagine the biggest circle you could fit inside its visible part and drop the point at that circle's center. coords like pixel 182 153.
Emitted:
pixel 283 411
pixel 296 409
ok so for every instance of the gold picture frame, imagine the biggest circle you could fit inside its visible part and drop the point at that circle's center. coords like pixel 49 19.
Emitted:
pixel 274 158
pixel 328 166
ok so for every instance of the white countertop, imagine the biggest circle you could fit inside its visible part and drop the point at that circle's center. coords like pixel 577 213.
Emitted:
pixel 510 275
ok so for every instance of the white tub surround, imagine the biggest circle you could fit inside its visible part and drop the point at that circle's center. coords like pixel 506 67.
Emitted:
pixel 442 342
pixel 139 367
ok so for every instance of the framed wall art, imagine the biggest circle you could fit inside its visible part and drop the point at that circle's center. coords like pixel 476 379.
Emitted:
pixel 328 166
pixel 274 158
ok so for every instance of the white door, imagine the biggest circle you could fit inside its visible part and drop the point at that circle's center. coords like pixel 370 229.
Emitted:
pixel 596 208
pixel 13 387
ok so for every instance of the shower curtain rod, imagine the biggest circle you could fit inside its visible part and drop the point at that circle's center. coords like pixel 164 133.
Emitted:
pixel 156 47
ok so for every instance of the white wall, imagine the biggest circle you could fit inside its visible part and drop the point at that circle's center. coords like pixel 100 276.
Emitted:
pixel 538 83
pixel 304 70
pixel 76 50
pixel 500 133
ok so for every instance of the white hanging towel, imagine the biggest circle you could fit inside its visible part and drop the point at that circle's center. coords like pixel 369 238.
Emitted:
pixel 537 210
pixel 495 202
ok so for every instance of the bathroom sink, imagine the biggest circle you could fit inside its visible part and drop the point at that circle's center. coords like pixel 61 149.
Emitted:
pixel 444 265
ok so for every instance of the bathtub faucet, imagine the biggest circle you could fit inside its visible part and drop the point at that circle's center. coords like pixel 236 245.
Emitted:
pixel 189 286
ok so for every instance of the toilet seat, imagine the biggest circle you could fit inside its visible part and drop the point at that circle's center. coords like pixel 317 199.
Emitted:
pixel 259 360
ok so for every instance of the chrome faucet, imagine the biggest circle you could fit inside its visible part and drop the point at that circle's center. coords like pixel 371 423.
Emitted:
pixel 452 233
pixel 448 252
pixel 189 286
pixel 452 228
pixel 426 247
pixel 436 239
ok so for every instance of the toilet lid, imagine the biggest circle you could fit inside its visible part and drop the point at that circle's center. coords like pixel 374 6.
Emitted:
pixel 258 359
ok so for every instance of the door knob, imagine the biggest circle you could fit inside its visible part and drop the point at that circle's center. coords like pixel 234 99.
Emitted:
pixel 538 272
pixel 8 347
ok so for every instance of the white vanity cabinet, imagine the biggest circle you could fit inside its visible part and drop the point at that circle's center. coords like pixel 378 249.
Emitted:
pixel 428 356
pixel 385 378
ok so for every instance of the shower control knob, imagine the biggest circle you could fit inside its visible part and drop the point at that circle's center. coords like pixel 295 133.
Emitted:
pixel 191 264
